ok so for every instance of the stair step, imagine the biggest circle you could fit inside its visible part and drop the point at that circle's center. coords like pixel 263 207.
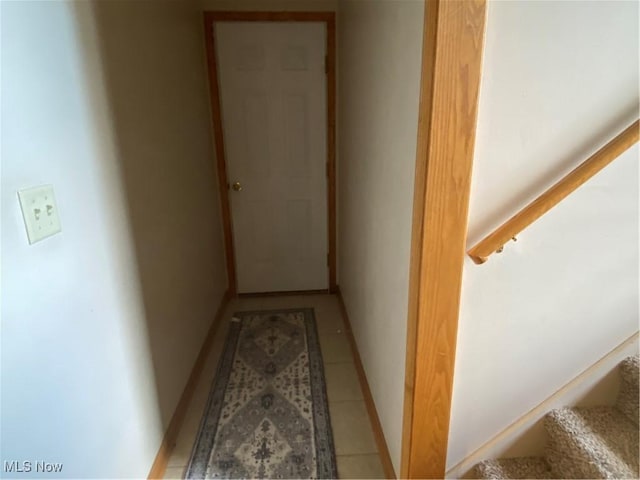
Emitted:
pixel 630 369
pixel 513 468
pixel 596 442
pixel 629 395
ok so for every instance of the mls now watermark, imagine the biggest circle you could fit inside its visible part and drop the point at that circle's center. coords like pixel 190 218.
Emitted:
pixel 27 466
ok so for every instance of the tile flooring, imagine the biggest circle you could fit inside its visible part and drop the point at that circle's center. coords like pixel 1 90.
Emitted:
pixel 355 446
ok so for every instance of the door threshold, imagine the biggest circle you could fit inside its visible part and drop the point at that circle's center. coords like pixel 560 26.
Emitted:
pixel 284 293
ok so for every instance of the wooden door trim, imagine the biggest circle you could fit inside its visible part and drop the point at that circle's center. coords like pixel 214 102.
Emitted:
pixel 329 18
pixel 451 69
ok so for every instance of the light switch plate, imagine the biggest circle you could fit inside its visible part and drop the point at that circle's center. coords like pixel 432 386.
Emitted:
pixel 40 212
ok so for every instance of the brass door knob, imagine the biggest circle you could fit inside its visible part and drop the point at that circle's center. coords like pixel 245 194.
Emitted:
pixel 236 186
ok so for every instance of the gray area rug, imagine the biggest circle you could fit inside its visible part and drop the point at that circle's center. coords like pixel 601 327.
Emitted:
pixel 267 415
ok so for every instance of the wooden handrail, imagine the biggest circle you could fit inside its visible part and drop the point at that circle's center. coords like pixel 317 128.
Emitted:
pixel 549 199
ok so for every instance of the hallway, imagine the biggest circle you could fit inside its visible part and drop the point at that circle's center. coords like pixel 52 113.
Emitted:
pixel 356 451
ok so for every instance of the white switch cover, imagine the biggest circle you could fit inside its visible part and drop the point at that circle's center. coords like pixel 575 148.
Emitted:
pixel 40 212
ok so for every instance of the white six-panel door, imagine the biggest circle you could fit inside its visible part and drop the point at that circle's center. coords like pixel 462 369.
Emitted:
pixel 273 99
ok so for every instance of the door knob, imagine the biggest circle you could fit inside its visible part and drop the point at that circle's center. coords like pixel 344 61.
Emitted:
pixel 236 186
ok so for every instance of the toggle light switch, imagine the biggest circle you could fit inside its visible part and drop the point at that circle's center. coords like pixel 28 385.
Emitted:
pixel 40 212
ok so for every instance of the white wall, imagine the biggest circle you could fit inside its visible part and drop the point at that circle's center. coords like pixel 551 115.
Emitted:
pixel 379 46
pixel 82 382
pixel 559 80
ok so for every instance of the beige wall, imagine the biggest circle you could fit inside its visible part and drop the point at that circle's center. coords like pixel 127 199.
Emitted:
pixel 559 80
pixel 153 56
pixel 380 44
pixel 101 323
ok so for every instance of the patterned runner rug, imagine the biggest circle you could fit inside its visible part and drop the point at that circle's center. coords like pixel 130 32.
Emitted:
pixel 267 414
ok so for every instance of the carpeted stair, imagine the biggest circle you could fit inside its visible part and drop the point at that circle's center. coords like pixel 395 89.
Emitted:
pixel 594 442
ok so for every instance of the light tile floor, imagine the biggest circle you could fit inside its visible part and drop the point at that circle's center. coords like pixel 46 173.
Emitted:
pixel 355 446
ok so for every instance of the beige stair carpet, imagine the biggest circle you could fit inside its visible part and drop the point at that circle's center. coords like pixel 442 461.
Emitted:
pixel 596 442
pixel 523 467
pixel 628 397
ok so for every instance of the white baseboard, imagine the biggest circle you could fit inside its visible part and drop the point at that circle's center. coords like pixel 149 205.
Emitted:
pixel 597 385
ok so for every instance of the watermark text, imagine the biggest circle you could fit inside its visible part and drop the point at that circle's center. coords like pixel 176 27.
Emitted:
pixel 27 466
